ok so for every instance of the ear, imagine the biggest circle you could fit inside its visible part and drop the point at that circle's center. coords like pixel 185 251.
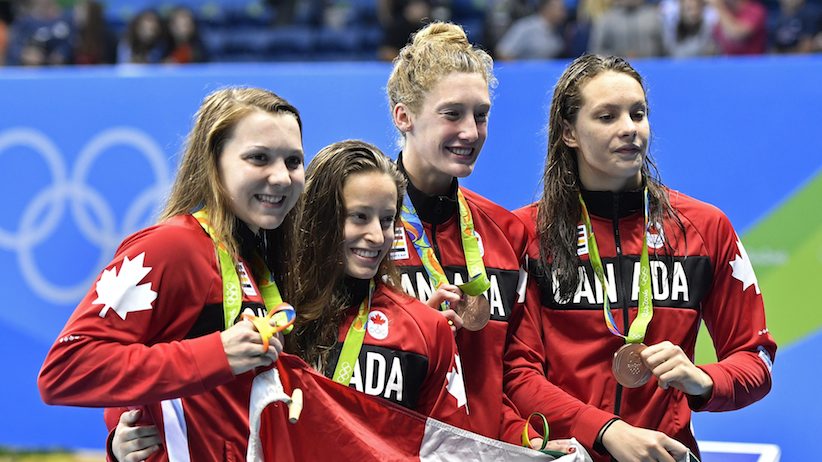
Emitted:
pixel 403 118
pixel 569 135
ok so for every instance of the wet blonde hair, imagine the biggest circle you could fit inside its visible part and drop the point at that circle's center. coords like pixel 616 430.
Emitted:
pixel 434 52
pixel 198 183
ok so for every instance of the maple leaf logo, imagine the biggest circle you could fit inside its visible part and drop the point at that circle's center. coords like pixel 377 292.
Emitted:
pixel 121 293
pixel 455 386
pixel 377 319
pixel 742 268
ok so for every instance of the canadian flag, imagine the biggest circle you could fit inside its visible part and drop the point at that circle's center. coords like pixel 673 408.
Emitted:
pixel 340 423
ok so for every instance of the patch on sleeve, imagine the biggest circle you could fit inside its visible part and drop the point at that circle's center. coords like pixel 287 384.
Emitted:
pixel 765 357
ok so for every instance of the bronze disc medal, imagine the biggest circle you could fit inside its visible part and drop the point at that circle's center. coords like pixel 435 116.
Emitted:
pixel 475 312
pixel 628 367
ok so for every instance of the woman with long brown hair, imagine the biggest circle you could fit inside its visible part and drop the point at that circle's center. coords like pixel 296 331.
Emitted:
pixel 627 270
pixel 347 283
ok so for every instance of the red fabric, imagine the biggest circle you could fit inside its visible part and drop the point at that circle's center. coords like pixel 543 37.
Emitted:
pixel 337 423
pixel 504 239
pixel 414 330
pixel 571 346
pixel 752 13
pixel 149 356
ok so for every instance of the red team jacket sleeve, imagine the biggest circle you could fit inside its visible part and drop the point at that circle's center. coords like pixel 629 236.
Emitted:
pixel 443 393
pixel 526 384
pixel 115 348
pixel 734 314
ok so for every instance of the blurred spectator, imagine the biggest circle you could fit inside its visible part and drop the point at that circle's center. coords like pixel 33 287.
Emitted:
pixel 408 17
pixel 145 41
pixel 499 15
pixel 184 34
pixel 579 25
pixel 537 36
pixel 93 41
pixel 283 11
pixel 741 27
pixel 5 20
pixel 794 27
pixel 688 28
pixel 630 28
pixel 40 35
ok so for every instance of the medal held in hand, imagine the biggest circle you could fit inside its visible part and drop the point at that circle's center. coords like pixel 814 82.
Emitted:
pixel 475 311
pixel 628 368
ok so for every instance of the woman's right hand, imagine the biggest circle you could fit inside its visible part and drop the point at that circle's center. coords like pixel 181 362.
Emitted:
pixel 627 443
pixel 132 443
pixel 243 347
pixel 451 294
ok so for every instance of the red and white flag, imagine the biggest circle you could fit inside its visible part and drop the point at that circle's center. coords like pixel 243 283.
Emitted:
pixel 340 423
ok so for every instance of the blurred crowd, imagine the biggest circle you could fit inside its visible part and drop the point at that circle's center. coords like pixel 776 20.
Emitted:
pixel 87 32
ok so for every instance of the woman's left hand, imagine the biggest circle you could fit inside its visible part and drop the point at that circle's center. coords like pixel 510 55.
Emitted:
pixel 563 446
pixel 673 368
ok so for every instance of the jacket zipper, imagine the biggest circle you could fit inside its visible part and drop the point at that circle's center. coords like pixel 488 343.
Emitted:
pixel 620 293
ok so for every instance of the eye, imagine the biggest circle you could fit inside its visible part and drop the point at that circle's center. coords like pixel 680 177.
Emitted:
pixel 481 117
pixel 257 158
pixel 638 115
pixel 293 162
pixel 387 222
pixel 451 114
pixel 606 117
pixel 357 217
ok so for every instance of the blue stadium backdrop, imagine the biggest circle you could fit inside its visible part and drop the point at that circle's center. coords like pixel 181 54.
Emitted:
pixel 86 156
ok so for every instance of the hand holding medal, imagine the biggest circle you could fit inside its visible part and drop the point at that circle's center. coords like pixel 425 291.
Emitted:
pixel 473 307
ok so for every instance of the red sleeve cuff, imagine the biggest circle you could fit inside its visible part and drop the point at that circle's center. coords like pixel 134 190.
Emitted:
pixel 722 387
pixel 210 360
pixel 589 423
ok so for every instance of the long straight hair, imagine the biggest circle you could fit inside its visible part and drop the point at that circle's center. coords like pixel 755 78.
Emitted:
pixel 319 292
pixel 198 183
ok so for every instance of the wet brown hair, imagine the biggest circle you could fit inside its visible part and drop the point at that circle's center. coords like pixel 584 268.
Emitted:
pixel 558 211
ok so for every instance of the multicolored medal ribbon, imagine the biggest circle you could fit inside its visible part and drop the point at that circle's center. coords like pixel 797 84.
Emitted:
pixel 627 367
pixel 353 341
pixel 473 309
pixel 232 291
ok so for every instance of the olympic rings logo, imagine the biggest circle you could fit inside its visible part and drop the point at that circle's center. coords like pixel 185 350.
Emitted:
pixel 44 212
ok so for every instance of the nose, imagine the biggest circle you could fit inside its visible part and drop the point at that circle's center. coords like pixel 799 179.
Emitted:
pixel 627 127
pixel 374 232
pixel 278 174
pixel 468 129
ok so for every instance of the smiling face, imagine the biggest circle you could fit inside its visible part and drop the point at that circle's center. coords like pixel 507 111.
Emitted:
pixel 444 137
pixel 261 168
pixel 370 201
pixel 611 132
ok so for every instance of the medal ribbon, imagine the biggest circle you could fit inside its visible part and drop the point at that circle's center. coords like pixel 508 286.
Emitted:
pixel 645 308
pixel 477 277
pixel 232 291
pixel 353 341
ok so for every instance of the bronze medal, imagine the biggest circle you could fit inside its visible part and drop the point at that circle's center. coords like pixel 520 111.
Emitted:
pixel 475 312
pixel 628 367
